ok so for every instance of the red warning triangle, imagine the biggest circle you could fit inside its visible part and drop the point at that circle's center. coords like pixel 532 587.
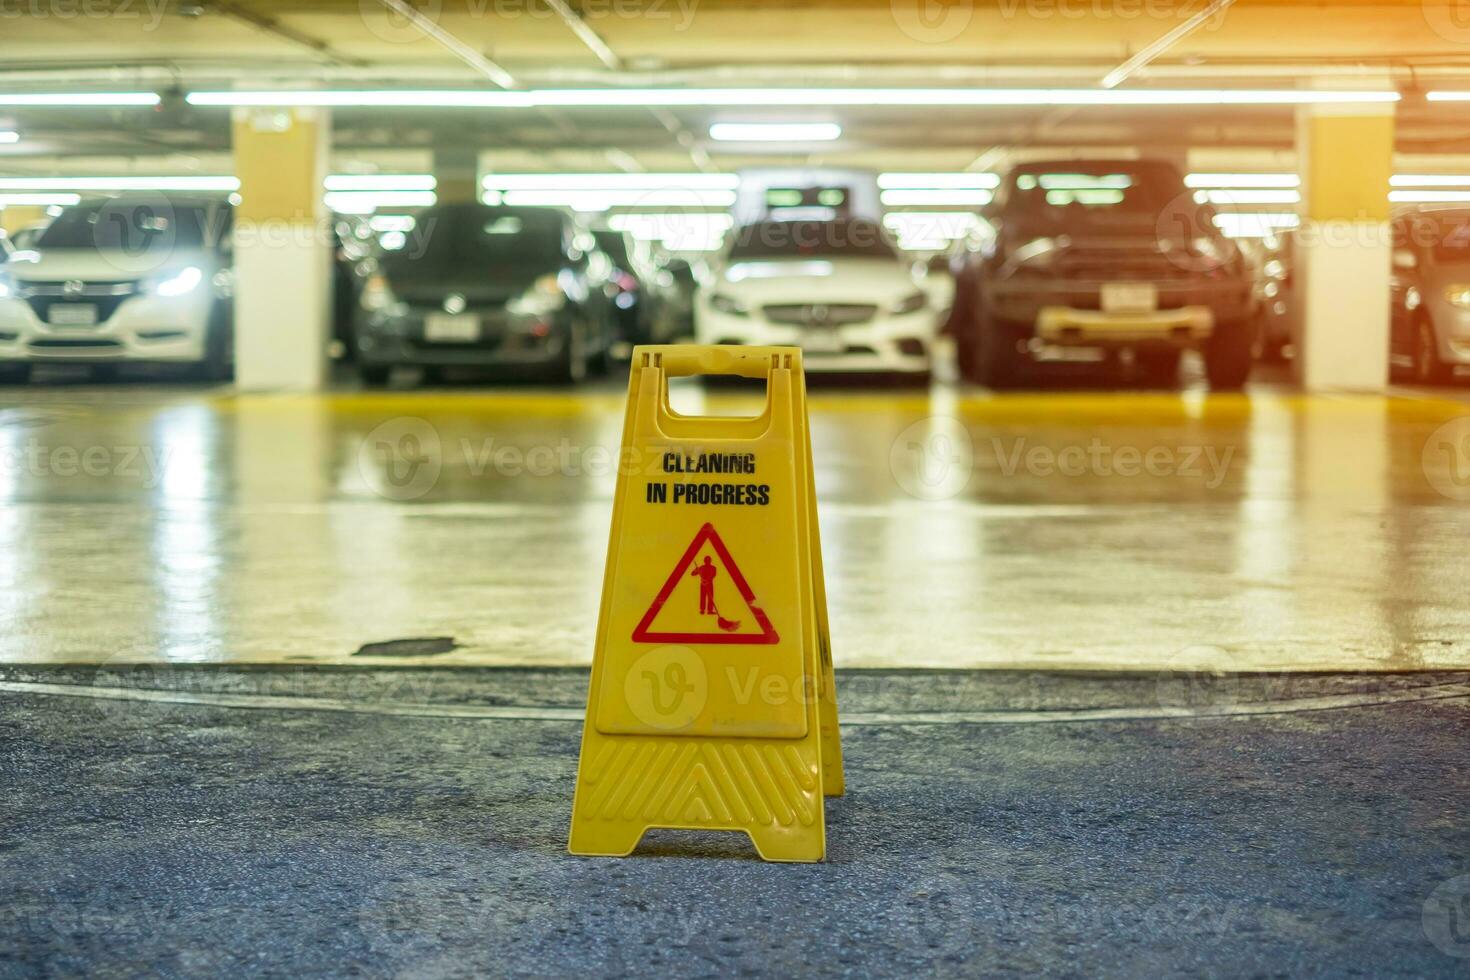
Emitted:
pixel 722 629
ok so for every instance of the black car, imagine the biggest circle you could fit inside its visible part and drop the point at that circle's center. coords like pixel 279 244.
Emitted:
pixel 640 296
pixel 484 286
pixel 1099 257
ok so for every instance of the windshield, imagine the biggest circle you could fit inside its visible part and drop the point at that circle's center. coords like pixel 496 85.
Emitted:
pixel 1450 238
pixel 1115 198
pixel 803 239
pixel 502 244
pixel 137 227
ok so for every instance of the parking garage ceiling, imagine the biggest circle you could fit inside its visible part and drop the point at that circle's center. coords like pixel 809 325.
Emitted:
pixel 172 48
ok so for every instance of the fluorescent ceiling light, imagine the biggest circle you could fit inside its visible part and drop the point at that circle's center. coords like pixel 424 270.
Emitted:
pixel 1428 197
pixel 9 136
pixel 39 200
pixel 77 99
pixel 676 231
pixel 619 181
pixel 919 181
pixel 601 200
pixel 1231 196
pixel 411 98
pixel 1429 180
pixel 636 98
pixel 935 198
pixel 1242 180
pixel 774 132
pixel 1255 224
pixel 380 182
pixel 129 183
pixel 366 202
pixel 1440 95
pixel 392 222
pixel 944 97
pixel 931 225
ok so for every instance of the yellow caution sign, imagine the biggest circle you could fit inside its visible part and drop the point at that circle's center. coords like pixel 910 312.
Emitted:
pixel 712 705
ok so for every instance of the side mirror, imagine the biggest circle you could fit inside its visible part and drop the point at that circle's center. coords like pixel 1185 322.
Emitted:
pixel 1404 259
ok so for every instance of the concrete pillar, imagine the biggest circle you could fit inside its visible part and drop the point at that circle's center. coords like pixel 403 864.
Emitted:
pixel 1343 250
pixel 283 250
pixel 457 175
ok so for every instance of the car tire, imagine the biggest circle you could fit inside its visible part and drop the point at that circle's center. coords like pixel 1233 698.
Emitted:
pixel 1228 356
pixel 374 375
pixel 994 361
pixel 1428 368
pixel 570 365
pixel 1268 349
pixel 15 374
pixel 217 365
pixel 1158 367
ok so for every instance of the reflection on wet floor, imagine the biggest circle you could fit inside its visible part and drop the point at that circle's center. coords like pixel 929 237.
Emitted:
pixel 1104 530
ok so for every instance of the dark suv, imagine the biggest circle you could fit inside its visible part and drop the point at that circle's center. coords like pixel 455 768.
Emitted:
pixel 480 286
pixel 1106 255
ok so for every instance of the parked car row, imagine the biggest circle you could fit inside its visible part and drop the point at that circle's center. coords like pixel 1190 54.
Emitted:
pixel 131 279
pixel 1095 260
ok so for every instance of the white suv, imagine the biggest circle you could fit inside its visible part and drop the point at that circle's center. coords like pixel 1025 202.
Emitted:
pixel 138 278
pixel 835 288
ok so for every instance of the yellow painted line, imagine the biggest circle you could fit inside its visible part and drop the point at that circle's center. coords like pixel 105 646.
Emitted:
pixel 277 702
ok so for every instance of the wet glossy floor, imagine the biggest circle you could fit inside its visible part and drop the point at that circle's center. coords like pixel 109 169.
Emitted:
pixel 1070 530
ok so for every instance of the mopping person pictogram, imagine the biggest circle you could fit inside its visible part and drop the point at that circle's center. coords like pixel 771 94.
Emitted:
pixel 706 574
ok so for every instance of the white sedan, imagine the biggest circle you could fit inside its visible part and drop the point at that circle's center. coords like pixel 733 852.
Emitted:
pixel 838 289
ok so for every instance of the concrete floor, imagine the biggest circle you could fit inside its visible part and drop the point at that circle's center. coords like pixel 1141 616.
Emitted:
pixel 1275 532
pixel 1222 766
pixel 286 822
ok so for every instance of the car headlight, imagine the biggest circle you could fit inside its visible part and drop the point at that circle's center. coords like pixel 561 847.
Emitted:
pixel 910 303
pixel 184 281
pixel 543 298
pixel 728 304
pixel 1458 295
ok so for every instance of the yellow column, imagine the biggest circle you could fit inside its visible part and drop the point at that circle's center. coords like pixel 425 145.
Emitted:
pixel 283 249
pixel 18 216
pixel 1345 155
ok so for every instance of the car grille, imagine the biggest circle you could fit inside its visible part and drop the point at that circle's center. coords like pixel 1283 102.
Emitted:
pixel 820 314
pixel 106 307
pixel 1111 264
pixel 75 346
pixel 106 295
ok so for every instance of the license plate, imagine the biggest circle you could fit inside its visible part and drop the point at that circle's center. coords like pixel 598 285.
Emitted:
pixel 443 328
pixel 821 342
pixel 1129 297
pixel 72 314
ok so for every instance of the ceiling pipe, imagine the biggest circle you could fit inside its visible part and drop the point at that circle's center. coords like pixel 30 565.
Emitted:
pixel 202 75
pixel 1156 48
pixel 452 44
pixel 586 34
